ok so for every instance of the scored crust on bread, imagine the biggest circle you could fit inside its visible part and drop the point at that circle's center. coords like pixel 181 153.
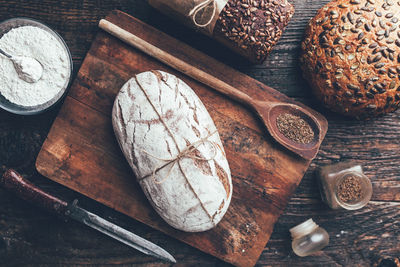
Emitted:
pixel 351 56
pixel 193 193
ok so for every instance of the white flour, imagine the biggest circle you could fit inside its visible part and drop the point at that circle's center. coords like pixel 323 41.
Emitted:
pixel 41 45
pixel 28 69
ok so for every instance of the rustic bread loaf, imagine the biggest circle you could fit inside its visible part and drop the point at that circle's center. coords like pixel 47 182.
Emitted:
pixel 155 117
pixel 252 27
pixel 351 55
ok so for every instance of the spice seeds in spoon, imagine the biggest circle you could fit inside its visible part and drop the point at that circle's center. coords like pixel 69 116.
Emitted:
pixel 295 128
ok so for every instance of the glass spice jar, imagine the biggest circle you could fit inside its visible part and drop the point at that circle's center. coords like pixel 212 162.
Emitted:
pixel 308 238
pixel 344 185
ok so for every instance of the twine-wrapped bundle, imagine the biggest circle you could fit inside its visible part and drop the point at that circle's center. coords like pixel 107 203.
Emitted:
pixel 249 27
pixel 199 14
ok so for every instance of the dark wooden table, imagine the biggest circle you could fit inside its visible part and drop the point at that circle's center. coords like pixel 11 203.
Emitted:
pixel 367 237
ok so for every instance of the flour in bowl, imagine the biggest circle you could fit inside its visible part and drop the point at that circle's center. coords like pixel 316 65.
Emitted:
pixel 30 41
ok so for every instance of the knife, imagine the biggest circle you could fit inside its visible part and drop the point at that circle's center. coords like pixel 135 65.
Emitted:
pixel 14 182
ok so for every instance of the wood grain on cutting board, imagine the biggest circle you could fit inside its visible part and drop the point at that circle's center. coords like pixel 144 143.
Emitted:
pixel 81 152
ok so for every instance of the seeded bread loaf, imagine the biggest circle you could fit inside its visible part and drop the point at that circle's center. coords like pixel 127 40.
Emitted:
pixel 155 118
pixel 248 27
pixel 351 56
pixel 252 27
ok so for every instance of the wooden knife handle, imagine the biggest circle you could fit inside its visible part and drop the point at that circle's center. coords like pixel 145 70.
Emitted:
pixel 15 183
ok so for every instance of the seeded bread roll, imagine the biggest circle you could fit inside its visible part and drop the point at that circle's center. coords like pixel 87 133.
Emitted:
pixel 351 55
pixel 252 27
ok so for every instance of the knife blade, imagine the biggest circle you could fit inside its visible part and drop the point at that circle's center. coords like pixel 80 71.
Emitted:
pixel 14 182
pixel 118 233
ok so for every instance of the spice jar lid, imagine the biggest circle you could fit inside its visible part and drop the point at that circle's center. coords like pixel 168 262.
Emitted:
pixel 303 229
pixel 353 191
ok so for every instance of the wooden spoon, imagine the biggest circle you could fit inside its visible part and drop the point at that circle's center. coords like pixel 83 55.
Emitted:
pixel 266 110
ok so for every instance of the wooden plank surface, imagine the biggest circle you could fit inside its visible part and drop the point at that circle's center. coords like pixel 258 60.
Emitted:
pixel 30 237
pixel 81 152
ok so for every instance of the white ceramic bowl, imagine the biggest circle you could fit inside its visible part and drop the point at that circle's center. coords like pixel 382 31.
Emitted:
pixel 10 24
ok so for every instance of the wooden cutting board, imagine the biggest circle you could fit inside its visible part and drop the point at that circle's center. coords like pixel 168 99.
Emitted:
pixel 81 151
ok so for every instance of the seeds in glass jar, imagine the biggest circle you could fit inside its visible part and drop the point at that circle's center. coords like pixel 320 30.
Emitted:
pixel 349 189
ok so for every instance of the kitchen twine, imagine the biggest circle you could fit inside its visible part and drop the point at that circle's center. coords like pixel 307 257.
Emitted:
pixel 193 13
pixel 185 153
